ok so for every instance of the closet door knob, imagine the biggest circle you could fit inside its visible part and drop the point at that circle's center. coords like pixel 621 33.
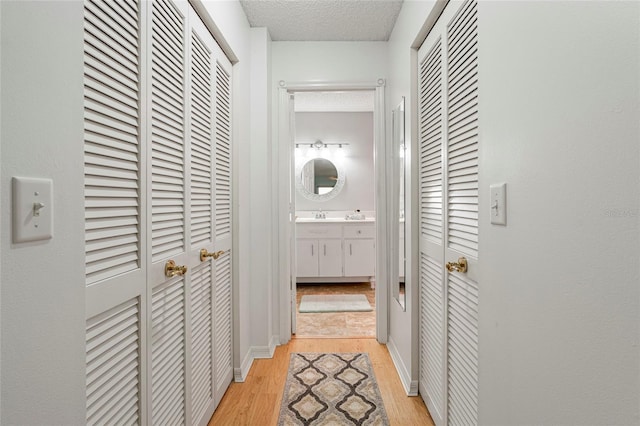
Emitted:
pixel 171 269
pixel 204 254
pixel 459 266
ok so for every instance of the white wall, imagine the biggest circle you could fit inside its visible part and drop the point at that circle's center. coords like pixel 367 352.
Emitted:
pixel 403 331
pixel 354 128
pixel 559 292
pixel 43 320
pixel 261 188
pixel 304 61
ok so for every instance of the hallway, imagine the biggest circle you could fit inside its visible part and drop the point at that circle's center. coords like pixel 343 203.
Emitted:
pixel 158 129
pixel 257 400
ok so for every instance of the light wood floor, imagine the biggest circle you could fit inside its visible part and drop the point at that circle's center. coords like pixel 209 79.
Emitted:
pixel 257 400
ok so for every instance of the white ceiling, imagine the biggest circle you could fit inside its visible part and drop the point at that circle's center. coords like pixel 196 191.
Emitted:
pixel 324 20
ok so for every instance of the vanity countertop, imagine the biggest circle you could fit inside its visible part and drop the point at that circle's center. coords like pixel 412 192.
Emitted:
pixel 333 220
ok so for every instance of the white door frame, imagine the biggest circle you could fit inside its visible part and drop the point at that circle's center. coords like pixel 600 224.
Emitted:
pixel 285 215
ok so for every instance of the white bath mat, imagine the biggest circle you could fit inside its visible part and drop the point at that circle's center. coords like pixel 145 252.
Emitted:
pixel 334 303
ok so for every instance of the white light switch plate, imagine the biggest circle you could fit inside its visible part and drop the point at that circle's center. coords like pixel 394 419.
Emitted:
pixel 499 203
pixel 32 209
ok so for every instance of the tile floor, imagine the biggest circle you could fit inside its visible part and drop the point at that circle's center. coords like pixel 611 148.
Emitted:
pixel 337 324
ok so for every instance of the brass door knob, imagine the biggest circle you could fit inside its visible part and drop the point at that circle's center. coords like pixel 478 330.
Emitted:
pixel 459 266
pixel 204 254
pixel 171 269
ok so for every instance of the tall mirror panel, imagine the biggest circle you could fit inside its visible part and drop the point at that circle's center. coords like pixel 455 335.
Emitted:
pixel 398 158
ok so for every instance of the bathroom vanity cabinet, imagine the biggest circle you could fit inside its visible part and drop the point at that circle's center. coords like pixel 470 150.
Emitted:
pixel 319 258
pixel 335 251
pixel 359 249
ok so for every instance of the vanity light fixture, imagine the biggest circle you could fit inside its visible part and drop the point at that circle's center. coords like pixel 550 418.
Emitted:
pixel 318 144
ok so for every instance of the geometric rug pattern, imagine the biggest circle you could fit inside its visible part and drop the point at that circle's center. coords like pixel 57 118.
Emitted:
pixel 331 389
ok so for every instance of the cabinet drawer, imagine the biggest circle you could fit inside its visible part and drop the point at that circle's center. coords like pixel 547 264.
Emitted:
pixel 318 231
pixel 360 231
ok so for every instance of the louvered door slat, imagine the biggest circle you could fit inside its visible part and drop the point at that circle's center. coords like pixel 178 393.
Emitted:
pixel 462 301
pixel 463 131
pixel 116 102
pixel 111 140
pixel 120 16
pixel 167 76
pixel 431 146
pixel 98 57
pixel 168 106
pixel 167 120
pixel 121 140
pixel 463 88
pixel 432 339
pixel 461 62
pixel 464 128
pixel 115 265
pixel 463 348
pixel 222 325
pixel 99 23
pixel 167 354
pixel 201 143
pixel 128 50
pixel 464 15
pixel 223 155
pixel 201 340
pixel 113 364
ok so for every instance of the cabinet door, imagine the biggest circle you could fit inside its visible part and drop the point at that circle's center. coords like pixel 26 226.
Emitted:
pixel 359 258
pixel 330 258
pixel 307 258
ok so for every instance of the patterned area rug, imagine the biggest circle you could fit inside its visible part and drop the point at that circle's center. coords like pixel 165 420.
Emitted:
pixel 331 389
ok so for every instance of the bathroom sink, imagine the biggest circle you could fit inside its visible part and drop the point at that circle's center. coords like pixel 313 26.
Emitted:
pixel 327 219
pixel 331 219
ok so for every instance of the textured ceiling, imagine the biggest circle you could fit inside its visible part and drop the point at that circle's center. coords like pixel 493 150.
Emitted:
pixel 324 20
pixel 350 101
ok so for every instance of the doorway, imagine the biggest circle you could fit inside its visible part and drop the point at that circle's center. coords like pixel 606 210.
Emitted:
pixel 335 213
pixel 287 207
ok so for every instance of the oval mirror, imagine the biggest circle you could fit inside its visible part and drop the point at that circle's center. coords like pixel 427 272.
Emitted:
pixel 319 179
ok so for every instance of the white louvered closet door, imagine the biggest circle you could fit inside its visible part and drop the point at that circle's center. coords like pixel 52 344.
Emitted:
pixel 211 367
pixel 190 175
pixel 432 274
pixel 222 301
pixel 116 300
pixel 169 212
pixel 157 157
pixel 201 119
pixel 448 174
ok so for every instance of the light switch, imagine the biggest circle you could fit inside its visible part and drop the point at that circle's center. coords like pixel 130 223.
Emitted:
pixel 32 209
pixel 499 203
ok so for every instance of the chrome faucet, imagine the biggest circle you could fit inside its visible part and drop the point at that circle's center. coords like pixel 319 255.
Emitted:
pixel 320 214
